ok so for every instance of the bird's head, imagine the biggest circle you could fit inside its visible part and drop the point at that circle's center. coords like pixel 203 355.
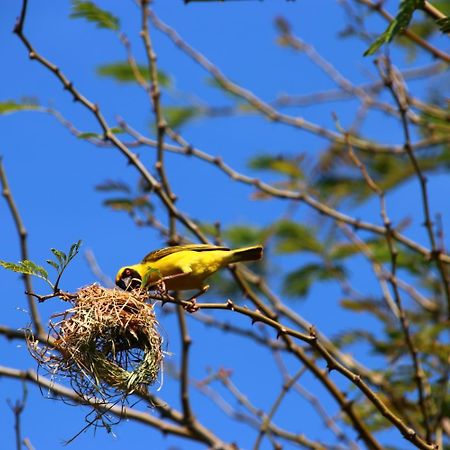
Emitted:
pixel 128 278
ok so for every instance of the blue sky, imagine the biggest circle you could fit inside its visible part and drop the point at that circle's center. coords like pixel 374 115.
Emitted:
pixel 52 175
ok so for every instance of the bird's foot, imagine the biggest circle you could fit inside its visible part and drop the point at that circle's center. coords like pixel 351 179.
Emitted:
pixel 190 304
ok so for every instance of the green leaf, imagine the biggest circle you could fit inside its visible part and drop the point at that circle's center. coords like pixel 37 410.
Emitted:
pixel 281 164
pixel 61 256
pixel 74 248
pixel 92 135
pixel 113 186
pixel 367 305
pixel 53 264
pixel 293 237
pixel 89 135
pixel 26 267
pixel 299 282
pixel 176 116
pixel 10 106
pixel 123 73
pixel 444 24
pixel 399 24
pixel 92 13
pixel 120 204
pixel 382 39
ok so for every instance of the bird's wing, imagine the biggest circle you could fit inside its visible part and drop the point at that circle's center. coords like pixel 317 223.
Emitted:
pixel 161 253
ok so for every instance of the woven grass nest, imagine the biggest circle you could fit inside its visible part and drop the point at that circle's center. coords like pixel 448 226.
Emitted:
pixel 107 344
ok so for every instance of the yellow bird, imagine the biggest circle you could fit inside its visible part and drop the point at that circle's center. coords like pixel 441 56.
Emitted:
pixel 183 267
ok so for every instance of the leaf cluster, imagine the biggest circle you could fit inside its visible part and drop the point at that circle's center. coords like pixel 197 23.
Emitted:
pixel 135 202
pixel 27 267
pixel 92 13
pixel 423 28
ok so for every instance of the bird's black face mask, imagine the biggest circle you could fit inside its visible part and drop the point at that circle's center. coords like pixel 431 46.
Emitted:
pixel 129 280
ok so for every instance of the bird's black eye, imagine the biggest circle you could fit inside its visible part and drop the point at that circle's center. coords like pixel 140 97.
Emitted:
pixel 127 272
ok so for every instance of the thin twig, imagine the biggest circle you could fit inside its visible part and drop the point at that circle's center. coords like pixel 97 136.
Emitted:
pixel 131 157
pixel 22 232
pixel 394 85
pixel 273 191
pixel 17 408
pixel 263 107
pixel 155 95
pixel 328 421
pixel 333 364
pixel 120 411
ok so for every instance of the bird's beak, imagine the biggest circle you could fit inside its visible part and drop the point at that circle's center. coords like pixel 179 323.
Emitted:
pixel 129 283
pixel 124 283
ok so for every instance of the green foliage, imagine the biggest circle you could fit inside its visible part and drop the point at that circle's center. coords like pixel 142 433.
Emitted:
pixel 372 306
pixel 336 177
pixel 27 267
pixel 92 135
pixel 284 165
pixel 299 282
pixel 425 28
pixel 406 259
pixel 62 261
pixel 176 116
pixel 92 13
pixel 293 237
pixel 136 203
pixel 123 73
pixel 399 24
pixel 243 235
pixel 11 106
pixel 113 186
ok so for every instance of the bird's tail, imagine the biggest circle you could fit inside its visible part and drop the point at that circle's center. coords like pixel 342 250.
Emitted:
pixel 247 254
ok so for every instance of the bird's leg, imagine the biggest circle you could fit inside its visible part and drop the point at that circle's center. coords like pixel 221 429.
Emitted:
pixel 192 306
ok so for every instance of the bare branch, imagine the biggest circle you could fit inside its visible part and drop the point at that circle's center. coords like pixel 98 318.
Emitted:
pixel 22 232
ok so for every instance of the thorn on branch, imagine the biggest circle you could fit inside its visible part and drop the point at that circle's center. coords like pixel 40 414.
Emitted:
pixel 281 331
